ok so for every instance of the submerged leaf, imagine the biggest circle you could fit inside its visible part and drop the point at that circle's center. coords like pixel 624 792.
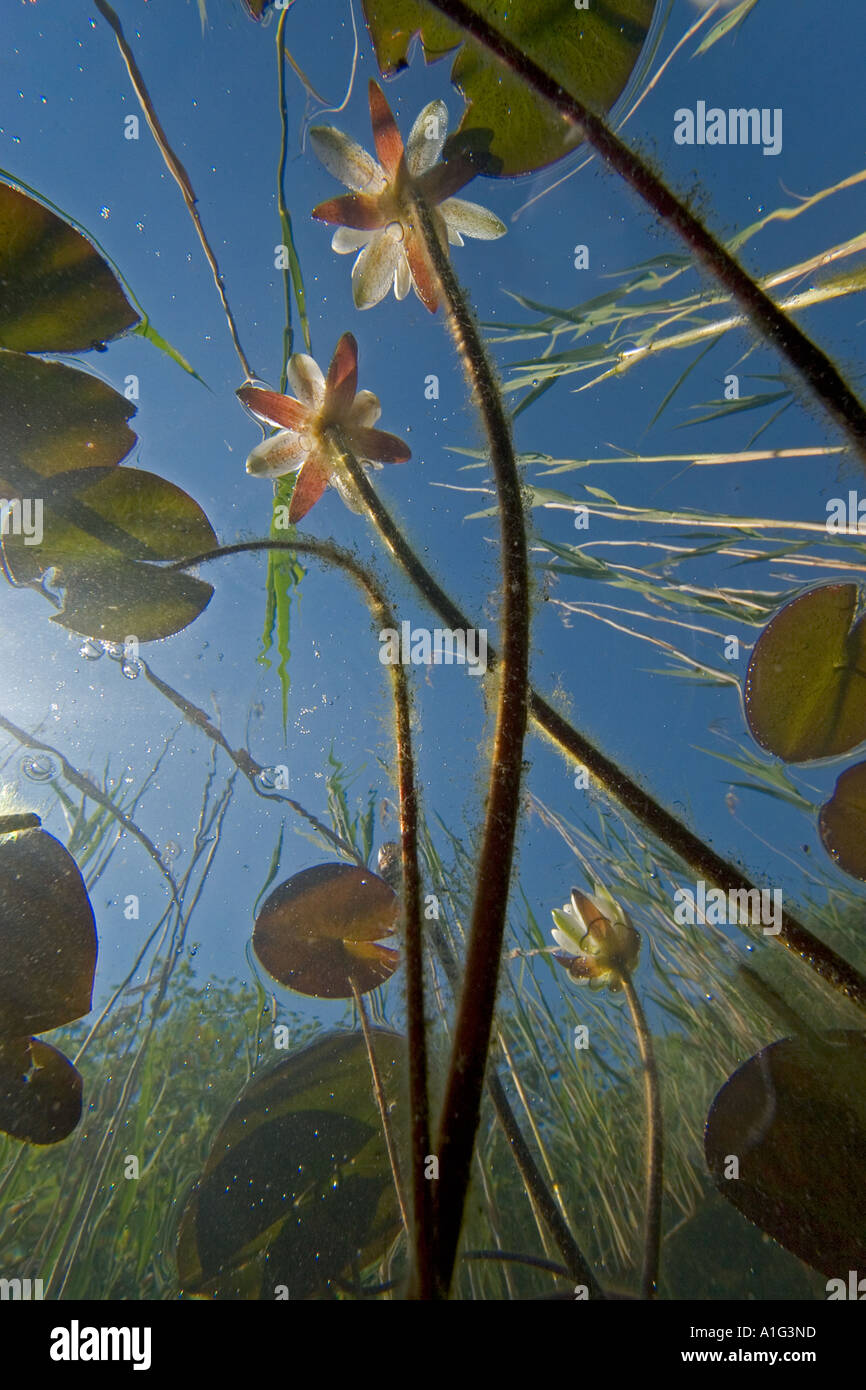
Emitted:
pixel 805 693
pixel 320 930
pixel 47 936
pixel 842 822
pixel 40 1091
pixel 590 53
pixel 56 292
pixel 794 1117
pixel 298 1187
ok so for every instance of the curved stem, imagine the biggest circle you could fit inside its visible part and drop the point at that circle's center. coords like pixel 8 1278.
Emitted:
pixel 382 1103
pixel 461 1108
pixel 822 959
pixel 815 369
pixel 654 1142
pixel 418 1093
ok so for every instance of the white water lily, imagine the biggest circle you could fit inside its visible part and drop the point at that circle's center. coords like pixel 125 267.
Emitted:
pixel 377 218
pixel 596 935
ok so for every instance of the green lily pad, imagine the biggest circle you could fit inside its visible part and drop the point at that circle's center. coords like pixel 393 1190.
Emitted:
pixel 320 930
pixel 794 1116
pixel 298 1187
pixel 56 292
pixel 40 1092
pixel 805 693
pixel 54 419
pixel 591 53
pixel 105 538
pixel 842 822
pixel 47 936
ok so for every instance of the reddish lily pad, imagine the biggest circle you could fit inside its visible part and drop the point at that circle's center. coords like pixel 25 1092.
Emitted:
pixel 297 1189
pixel 794 1116
pixel 320 930
pixel 842 822
pixel 805 693
pixel 40 1091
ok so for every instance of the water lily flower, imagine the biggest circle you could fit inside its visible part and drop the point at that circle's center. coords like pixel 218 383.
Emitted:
pixel 598 941
pixel 378 217
pixel 319 404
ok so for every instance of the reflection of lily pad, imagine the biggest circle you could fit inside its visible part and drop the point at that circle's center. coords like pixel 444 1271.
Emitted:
pixel 320 930
pixel 794 1116
pixel 40 1091
pixel 843 822
pixel 100 536
pixel 590 52
pixel 805 691
pixel 47 936
pixel 298 1186
pixel 56 292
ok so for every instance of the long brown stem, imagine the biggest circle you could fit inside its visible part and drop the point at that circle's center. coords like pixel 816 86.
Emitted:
pixel 822 959
pixel 175 168
pixel 815 369
pixel 418 1091
pixel 654 1142
pixel 461 1108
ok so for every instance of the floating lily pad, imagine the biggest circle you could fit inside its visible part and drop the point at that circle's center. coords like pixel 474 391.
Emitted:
pixel 842 822
pixel 320 930
pixel 794 1116
pixel 47 936
pixel 298 1186
pixel 591 53
pixel 805 693
pixel 104 537
pixel 40 1091
pixel 56 292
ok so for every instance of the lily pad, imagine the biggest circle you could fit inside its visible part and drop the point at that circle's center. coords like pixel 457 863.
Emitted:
pixel 805 693
pixel 842 822
pixel 794 1116
pixel 47 936
pixel 298 1187
pixel 591 53
pixel 320 930
pixel 40 1092
pixel 104 535
pixel 56 292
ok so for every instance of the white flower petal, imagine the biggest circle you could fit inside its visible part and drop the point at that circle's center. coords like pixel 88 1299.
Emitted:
pixel 567 932
pixel 306 380
pixel 283 452
pixel 365 410
pixel 346 239
pixel 347 161
pixel 347 492
pixel 402 278
pixel 471 219
pixel 563 941
pixel 373 271
pixel 454 238
pixel 426 138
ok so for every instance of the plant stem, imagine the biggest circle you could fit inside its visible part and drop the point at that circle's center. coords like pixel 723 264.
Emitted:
pixel 175 168
pixel 461 1108
pixel 816 370
pixel 822 959
pixel 418 1091
pixel 654 1141
pixel 382 1102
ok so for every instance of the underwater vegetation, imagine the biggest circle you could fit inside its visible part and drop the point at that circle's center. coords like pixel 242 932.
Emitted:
pixel 432 1082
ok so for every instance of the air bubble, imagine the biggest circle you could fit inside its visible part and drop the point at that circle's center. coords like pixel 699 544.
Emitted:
pixel 92 649
pixel 39 767
pixel 114 650
pixel 170 850
pixel 266 779
pixel 131 669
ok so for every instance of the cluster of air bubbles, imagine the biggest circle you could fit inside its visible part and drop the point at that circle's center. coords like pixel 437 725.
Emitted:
pixel 93 648
pixel 170 851
pixel 39 767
